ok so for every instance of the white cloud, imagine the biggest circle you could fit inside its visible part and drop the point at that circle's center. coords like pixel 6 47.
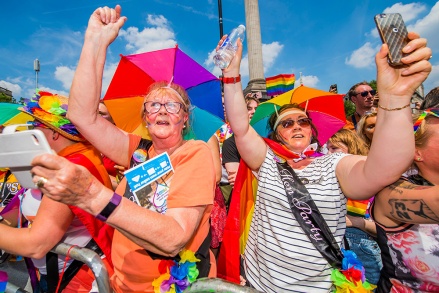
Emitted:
pixel 13 87
pixel 307 80
pixel 65 75
pixel 428 27
pixel 408 11
pixel 362 57
pixel 160 36
pixel 270 52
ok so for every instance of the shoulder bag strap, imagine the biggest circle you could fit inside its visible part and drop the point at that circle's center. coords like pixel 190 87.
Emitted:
pixel 308 216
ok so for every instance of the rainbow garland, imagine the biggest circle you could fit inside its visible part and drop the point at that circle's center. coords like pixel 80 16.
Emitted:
pixel 176 276
pixel 351 278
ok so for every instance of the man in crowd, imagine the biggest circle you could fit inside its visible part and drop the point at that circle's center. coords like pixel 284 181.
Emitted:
pixel 362 95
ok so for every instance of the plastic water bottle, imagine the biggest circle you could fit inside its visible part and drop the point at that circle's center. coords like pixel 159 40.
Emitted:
pixel 228 48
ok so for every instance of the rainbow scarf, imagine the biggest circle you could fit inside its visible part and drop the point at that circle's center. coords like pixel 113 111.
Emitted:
pixel 280 84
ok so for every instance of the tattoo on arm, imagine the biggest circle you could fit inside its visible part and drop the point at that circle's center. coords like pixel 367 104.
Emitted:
pixel 411 210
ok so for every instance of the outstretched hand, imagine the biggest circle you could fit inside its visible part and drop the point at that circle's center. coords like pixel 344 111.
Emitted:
pixel 106 22
pixel 402 82
pixel 233 69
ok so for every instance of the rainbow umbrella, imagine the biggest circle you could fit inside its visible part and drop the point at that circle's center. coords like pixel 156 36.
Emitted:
pixel 9 114
pixel 324 108
pixel 135 73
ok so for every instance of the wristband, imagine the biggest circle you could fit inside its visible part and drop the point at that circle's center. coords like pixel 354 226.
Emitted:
pixel 110 207
pixel 231 79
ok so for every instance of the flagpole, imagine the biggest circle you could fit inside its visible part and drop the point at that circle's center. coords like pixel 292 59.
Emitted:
pixel 300 79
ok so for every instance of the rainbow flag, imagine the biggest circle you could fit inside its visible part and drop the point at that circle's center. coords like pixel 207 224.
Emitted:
pixel 280 84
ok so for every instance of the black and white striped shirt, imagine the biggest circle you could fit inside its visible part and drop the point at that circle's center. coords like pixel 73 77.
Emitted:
pixel 279 257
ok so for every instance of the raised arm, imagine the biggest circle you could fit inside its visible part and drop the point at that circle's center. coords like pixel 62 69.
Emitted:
pixel 404 202
pixel 393 144
pixel 103 27
pixel 250 145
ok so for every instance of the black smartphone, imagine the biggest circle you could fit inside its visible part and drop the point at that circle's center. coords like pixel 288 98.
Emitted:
pixel 393 32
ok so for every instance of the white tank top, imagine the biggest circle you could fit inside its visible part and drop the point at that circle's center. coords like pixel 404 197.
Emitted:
pixel 76 234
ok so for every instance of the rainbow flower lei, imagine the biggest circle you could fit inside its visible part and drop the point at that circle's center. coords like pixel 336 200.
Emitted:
pixel 351 278
pixel 176 276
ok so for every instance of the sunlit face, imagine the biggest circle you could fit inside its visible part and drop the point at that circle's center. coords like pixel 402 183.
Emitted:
pixel 369 127
pixel 251 108
pixel 164 124
pixel 295 137
pixel 337 148
pixel 360 101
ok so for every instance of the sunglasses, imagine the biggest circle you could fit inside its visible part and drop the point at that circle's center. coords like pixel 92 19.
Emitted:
pixel 290 122
pixel 365 93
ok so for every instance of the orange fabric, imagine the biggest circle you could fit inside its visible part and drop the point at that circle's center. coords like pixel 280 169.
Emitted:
pixel 190 186
pixel 86 155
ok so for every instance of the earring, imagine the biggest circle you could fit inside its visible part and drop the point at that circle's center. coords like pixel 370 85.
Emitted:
pixel 419 158
pixel 184 126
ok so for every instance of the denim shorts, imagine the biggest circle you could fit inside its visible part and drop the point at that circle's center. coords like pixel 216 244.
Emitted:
pixel 367 251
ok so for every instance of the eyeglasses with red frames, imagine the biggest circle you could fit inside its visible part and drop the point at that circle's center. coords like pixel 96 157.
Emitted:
pixel 154 107
pixel 302 122
pixel 366 93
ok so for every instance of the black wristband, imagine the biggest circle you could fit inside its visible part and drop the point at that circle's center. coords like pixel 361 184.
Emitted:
pixel 110 207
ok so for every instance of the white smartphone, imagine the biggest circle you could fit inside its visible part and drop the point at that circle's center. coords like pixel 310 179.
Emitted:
pixel 17 150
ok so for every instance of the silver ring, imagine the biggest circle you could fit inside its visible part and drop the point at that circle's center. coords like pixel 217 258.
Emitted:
pixel 40 183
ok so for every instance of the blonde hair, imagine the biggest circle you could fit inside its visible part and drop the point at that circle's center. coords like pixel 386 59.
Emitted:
pixel 355 144
pixel 360 128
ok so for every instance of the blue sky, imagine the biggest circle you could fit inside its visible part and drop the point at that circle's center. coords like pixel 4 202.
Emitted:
pixel 327 41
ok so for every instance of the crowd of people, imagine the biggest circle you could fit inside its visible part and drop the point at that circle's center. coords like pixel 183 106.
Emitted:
pixel 371 193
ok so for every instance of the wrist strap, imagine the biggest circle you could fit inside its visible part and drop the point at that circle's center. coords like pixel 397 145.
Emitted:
pixel 231 79
pixel 313 224
pixel 110 207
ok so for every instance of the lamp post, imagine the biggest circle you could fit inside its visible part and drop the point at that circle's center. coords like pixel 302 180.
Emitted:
pixel 220 18
pixel 37 69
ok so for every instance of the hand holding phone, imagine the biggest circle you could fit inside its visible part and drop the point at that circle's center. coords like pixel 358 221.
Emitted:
pixel 17 151
pixel 393 32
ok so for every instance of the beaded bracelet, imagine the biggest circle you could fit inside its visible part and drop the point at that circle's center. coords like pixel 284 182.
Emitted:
pixel 110 207
pixel 394 109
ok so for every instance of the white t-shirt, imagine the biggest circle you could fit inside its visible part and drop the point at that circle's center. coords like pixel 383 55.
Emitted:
pixel 76 234
pixel 279 257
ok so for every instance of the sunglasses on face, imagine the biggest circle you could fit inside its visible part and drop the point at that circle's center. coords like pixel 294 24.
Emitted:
pixel 365 93
pixel 302 122
pixel 154 107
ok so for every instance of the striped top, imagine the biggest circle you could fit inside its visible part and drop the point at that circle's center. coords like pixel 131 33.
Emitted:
pixel 279 257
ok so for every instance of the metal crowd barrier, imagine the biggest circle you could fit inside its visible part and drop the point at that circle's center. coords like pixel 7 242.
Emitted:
pixel 85 255
pixel 205 285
